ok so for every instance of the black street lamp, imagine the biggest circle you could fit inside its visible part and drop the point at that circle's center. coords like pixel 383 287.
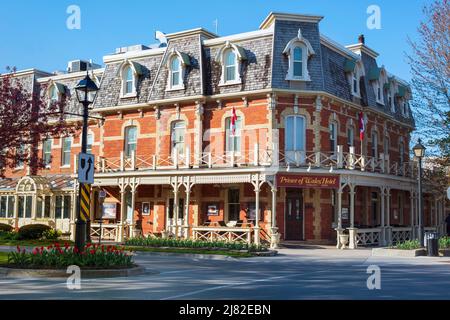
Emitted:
pixel 419 152
pixel 86 91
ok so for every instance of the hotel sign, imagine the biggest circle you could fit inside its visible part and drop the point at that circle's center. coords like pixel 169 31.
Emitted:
pixel 308 181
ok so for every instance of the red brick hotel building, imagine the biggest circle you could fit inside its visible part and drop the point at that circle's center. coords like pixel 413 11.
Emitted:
pixel 250 137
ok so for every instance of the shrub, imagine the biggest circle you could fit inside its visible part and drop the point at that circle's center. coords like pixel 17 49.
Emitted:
pixel 444 242
pixel 408 245
pixel 180 243
pixel 56 257
pixel 51 234
pixel 9 235
pixel 33 231
pixel 5 227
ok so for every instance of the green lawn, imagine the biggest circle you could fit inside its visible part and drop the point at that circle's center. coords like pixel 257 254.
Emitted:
pixel 192 251
pixel 3 258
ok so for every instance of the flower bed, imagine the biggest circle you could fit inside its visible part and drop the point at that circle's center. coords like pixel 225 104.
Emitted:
pixel 408 245
pixel 193 244
pixel 59 257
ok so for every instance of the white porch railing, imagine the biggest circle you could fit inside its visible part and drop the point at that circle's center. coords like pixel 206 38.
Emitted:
pixel 257 156
pixel 368 237
pixel 222 234
pixel 105 231
pixel 401 234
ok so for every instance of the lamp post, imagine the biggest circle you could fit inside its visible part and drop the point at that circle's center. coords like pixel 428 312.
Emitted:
pixel 419 152
pixel 86 90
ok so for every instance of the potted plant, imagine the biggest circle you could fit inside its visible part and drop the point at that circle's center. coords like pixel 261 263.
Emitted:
pixel 344 238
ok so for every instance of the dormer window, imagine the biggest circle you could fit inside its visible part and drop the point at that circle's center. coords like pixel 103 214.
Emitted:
pixel 230 66
pixel 298 51
pixel 175 70
pixel 129 73
pixel 54 95
pixel 355 77
pixel 377 76
pixel 129 81
pixel 176 64
pixel 355 84
pixel 230 57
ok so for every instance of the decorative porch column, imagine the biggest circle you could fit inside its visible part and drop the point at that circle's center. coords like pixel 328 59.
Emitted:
pixel 73 211
pixel 274 235
pixel 382 215
pixel 121 231
pixel 134 185
pixel 257 184
pixel 388 217
pixel 188 187
pixel 176 187
pixel 352 230
pixel 339 229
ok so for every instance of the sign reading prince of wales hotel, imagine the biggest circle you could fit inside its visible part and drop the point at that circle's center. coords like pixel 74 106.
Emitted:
pixel 248 137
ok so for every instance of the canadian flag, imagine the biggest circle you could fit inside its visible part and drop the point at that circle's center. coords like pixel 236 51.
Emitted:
pixel 362 125
pixel 233 122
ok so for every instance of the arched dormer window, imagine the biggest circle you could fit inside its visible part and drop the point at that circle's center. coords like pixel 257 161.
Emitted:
pixel 355 77
pixel 298 50
pixel 177 64
pixel 231 57
pixel 377 76
pixel 129 74
pixel 54 95
pixel 55 92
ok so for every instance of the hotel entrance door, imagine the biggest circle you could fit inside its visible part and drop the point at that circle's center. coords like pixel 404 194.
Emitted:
pixel 294 212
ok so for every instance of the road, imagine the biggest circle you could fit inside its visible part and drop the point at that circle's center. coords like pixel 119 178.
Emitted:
pixel 304 273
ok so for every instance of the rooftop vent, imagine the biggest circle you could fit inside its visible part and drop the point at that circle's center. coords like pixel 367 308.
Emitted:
pixel 138 47
pixel 81 65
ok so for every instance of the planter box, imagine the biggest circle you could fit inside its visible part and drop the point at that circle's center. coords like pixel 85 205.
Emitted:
pixel 387 252
pixel 444 252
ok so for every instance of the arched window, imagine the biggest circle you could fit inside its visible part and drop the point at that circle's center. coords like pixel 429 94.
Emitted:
pixel 129 86
pixel 298 62
pixel 374 144
pixel 401 152
pixel 230 65
pixel 333 129
pixel 130 140
pixel 233 139
pixel 350 136
pixel 298 51
pixel 175 72
pixel 295 137
pixel 177 137
pixel 54 95
pixel 47 152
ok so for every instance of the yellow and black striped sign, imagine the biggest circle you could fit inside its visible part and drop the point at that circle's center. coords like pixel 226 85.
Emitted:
pixel 85 192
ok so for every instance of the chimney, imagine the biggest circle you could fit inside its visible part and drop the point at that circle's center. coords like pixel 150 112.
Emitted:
pixel 361 39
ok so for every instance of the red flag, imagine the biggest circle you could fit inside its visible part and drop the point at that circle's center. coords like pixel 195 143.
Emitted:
pixel 362 126
pixel 233 122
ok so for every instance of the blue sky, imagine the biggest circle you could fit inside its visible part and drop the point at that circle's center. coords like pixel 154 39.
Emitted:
pixel 34 33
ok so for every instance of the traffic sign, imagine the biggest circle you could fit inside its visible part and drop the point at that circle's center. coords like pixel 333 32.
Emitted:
pixel 86 168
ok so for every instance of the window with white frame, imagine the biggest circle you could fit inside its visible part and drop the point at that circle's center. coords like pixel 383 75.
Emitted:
pixel 374 144
pixel 130 140
pixel 62 207
pixel 43 207
pixel 54 94
pixel 387 145
pixel 24 206
pixel 6 206
pixel 177 137
pixel 47 152
pixel 21 150
pixel 351 136
pixel 379 91
pixel 298 51
pixel 231 66
pixel 333 127
pixel 401 152
pixel 129 81
pixel 66 146
pixel 233 140
pixel 175 72
pixel 355 77
pixel 295 132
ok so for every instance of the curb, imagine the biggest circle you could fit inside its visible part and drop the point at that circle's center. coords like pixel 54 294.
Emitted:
pixel 270 253
pixel 386 252
pixel 46 273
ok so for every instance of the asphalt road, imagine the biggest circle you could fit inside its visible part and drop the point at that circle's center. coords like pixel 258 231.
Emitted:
pixel 310 273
